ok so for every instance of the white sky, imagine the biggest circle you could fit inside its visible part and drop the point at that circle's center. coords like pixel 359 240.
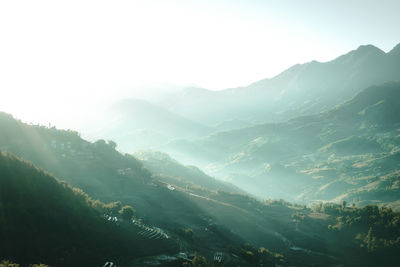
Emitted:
pixel 60 55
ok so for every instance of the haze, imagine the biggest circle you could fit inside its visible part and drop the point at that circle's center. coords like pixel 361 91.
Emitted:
pixel 61 55
pixel 200 133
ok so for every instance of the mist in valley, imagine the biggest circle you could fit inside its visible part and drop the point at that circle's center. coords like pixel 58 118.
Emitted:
pixel 186 133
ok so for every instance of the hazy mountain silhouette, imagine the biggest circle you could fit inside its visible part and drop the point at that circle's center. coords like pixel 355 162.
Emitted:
pixel 246 231
pixel 137 124
pixel 307 153
pixel 300 90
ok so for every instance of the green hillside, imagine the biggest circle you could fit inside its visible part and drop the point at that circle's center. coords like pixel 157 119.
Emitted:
pixel 348 153
pixel 96 167
pixel 110 176
pixel 246 231
pixel 44 220
pixel 171 171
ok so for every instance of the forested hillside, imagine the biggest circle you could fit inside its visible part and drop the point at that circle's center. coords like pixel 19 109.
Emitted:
pixel 96 167
pixel 44 220
pixel 245 231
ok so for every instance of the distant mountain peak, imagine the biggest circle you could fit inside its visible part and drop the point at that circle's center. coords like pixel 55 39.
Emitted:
pixel 361 52
pixel 367 47
pixel 362 49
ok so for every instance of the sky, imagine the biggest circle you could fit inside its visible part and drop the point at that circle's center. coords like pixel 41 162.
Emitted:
pixel 59 57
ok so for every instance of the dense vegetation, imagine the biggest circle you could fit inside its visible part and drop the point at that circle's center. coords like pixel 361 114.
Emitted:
pixel 97 167
pixel 45 220
pixel 369 234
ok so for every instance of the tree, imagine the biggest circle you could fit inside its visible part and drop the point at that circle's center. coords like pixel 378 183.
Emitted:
pixel 112 144
pixel 113 207
pixel 200 261
pixel 8 264
pixel 100 142
pixel 127 212
pixel 187 233
pixel 371 241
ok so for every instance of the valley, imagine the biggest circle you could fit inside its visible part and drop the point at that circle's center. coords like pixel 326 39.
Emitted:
pixel 302 169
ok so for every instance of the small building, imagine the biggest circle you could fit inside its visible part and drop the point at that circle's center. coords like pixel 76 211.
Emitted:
pixel 170 187
pixel 219 257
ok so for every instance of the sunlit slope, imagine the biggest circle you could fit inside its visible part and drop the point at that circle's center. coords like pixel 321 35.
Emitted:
pixel 350 152
pixel 97 167
pixel 110 176
pixel 303 89
pixel 171 171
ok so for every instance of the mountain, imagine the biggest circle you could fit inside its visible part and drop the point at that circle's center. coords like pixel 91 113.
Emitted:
pixel 137 124
pixel 303 89
pixel 172 222
pixel 214 218
pixel 171 171
pixel 97 167
pixel 232 125
pixel 347 153
pixel 45 220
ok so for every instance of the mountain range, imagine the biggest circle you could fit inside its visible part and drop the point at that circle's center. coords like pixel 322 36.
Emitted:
pixel 192 112
pixel 303 89
pixel 347 153
pixel 298 170
pixel 137 124
pixel 176 222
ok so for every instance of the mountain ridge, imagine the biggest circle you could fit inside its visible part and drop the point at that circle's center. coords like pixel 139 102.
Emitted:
pixel 138 124
pixel 302 89
pixel 364 127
